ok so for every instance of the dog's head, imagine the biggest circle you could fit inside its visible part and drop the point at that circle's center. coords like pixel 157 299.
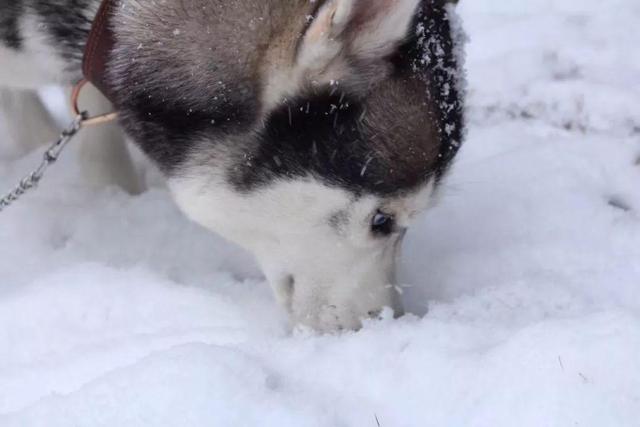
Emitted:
pixel 313 138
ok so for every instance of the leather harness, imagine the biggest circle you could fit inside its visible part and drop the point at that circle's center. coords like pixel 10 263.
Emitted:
pixel 100 43
pixel 94 64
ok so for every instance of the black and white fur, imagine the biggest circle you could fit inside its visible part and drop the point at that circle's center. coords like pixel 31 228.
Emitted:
pixel 311 132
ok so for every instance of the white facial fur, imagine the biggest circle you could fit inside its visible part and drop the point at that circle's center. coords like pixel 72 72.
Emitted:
pixel 313 242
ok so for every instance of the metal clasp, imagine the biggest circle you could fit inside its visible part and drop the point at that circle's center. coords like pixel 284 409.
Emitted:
pixel 88 121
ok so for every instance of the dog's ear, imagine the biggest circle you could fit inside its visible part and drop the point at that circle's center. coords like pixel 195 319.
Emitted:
pixel 361 28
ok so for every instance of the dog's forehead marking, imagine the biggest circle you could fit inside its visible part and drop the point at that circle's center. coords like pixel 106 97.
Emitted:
pixel 358 144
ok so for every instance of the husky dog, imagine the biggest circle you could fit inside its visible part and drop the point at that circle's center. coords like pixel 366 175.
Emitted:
pixel 310 132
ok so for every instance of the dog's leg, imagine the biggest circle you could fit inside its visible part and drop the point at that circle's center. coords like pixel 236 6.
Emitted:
pixel 25 120
pixel 105 159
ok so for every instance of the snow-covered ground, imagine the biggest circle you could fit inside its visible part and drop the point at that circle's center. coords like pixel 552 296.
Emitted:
pixel 524 283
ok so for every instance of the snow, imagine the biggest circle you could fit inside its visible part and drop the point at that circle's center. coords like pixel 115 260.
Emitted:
pixel 524 283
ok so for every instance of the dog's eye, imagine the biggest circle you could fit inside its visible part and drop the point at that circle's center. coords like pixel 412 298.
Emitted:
pixel 382 224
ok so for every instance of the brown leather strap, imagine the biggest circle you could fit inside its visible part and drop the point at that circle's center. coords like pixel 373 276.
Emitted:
pixel 99 46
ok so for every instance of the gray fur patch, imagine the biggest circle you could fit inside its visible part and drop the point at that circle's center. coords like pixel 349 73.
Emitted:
pixel 10 13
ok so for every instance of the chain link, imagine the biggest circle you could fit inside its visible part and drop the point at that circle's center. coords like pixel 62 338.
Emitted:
pixel 50 156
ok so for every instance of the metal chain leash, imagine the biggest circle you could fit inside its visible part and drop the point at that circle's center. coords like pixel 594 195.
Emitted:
pixel 50 156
